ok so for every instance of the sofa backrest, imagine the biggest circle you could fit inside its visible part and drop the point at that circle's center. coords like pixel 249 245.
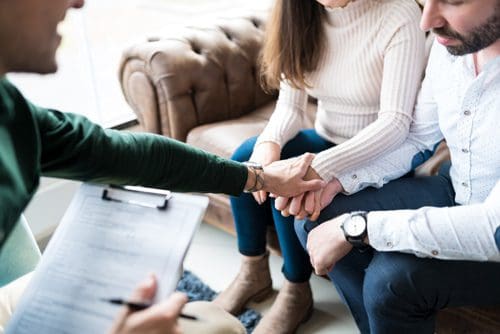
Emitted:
pixel 180 80
pixel 204 74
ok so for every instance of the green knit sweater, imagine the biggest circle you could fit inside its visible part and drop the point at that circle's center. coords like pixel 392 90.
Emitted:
pixel 36 141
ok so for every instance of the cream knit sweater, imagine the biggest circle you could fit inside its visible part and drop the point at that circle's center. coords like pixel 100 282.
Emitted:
pixel 365 84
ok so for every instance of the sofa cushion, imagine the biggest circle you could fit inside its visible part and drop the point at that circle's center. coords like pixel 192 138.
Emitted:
pixel 223 138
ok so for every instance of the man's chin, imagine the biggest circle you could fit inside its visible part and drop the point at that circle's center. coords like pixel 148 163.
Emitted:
pixel 456 51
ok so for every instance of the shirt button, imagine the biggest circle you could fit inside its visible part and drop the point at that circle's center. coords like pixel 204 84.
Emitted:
pixel 467 112
pixel 465 184
pixel 464 150
pixel 435 252
pixel 354 176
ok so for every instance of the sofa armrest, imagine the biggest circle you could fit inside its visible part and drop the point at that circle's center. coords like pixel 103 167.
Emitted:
pixel 197 76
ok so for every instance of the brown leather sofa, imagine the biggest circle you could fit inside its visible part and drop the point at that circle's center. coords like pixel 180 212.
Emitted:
pixel 201 86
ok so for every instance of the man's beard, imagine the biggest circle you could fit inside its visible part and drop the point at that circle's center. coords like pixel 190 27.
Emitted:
pixel 478 39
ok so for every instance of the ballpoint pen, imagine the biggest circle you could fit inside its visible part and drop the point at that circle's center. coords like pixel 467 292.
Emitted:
pixel 137 306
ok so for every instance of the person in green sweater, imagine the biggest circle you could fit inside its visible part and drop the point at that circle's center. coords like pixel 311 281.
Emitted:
pixel 35 141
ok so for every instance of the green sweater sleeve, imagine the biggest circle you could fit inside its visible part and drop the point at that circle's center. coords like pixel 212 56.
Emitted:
pixel 75 148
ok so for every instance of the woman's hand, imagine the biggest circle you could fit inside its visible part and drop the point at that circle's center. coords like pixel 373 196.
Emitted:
pixel 264 153
pixel 159 318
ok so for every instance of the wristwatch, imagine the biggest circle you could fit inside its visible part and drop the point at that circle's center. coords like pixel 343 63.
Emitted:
pixel 257 170
pixel 355 229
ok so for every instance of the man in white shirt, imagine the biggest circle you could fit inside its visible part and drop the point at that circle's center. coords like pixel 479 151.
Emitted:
pixel 432 242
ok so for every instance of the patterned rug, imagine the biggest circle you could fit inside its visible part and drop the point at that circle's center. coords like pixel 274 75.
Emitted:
pixel 195 289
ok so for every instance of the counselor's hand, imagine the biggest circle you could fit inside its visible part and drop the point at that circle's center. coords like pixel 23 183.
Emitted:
pixel 159 318
pixel 326 245
pixel 286 177
pixel 264 153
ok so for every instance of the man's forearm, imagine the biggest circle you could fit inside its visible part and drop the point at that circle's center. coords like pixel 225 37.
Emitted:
pixel 458 233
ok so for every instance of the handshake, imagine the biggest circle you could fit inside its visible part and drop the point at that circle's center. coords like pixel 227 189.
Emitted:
pixel 298 189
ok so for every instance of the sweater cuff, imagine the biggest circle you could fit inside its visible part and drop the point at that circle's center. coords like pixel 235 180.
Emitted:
pixel 266 138
pixel 322 168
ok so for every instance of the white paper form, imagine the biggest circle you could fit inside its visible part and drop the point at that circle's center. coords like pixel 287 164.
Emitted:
pixel 103 249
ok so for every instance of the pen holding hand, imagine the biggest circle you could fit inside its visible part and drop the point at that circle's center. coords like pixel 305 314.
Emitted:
pixel 139 306
pixel 158 318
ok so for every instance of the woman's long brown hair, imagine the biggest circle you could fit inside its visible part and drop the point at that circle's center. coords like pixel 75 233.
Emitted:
pixel 293 44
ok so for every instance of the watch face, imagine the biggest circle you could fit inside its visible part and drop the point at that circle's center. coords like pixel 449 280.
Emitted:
pixel 355 226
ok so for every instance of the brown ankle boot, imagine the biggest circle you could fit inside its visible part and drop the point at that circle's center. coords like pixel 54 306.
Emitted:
pixel 292 307
pixel 253 283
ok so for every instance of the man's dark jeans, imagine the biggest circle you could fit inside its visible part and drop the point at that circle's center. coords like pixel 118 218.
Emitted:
pixel 391 292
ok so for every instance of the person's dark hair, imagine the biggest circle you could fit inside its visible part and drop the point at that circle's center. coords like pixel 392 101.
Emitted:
pixel 293 44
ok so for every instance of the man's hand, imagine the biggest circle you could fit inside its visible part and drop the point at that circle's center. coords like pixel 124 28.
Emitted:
pixel 326 245
pixel 264 153
pixel 286 177
pixel 159 318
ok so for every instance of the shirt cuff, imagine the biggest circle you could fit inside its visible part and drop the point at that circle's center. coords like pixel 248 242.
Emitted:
pixel 390 231
pixel 386 229
pixel 350 182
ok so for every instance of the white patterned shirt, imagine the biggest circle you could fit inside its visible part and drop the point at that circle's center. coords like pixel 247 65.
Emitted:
pixel 464 108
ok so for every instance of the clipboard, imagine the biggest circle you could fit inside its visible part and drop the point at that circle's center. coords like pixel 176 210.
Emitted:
pixel 108 241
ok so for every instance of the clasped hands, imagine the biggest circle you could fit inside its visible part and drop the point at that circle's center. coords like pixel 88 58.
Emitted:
pixel 326 243
pixel 303 193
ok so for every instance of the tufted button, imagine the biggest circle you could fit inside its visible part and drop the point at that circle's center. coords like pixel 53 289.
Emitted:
pixel 435 252
pixel 465 184
pixel 354 176
pixel 195 47
pixel 389 244
pixel 255 23
pixel 467 113
pixel 464 150
pixel 226 33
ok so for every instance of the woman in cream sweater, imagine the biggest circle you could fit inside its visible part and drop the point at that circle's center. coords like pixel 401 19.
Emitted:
pixel 362 60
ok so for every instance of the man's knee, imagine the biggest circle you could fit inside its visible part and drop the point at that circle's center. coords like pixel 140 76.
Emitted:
pixel 300 230
pixel 215 320
pixel 393 283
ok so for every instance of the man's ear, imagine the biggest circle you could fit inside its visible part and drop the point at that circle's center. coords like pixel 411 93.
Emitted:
pixel 497 238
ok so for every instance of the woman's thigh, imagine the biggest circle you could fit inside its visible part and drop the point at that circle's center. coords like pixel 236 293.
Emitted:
pixel 306 140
